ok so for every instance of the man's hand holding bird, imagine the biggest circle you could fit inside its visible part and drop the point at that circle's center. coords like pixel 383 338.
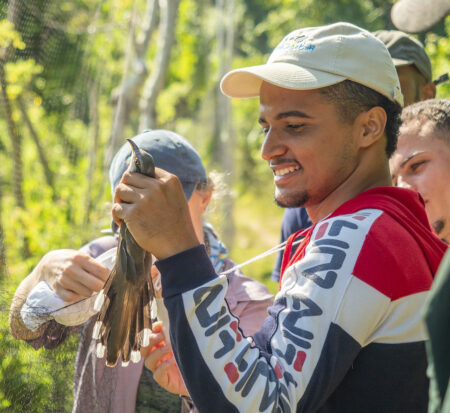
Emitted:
pixel 167 228
pixel 154 219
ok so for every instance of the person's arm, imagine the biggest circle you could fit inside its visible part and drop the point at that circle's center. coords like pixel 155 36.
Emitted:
pixel 71 274
pixel 16 325
pixel 247 299
pixel 321 318
pixel 317 326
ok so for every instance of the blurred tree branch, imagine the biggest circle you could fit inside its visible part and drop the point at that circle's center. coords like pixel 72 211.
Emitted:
pixel 223 137
pixel 49 177
pixel 156 81
pixel 125 98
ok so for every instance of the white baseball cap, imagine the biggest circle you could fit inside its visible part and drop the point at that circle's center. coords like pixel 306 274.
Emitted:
pixel 316 57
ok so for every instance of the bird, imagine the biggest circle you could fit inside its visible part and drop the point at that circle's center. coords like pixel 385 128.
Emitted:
pixel 124 320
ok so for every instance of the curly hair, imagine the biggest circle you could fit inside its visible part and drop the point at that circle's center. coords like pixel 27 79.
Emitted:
pixel 352 98
pixel 436 111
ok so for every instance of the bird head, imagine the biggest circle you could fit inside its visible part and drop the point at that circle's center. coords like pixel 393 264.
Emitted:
pixel 141 161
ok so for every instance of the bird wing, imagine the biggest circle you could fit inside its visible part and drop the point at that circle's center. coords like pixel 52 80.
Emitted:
pixel 124 320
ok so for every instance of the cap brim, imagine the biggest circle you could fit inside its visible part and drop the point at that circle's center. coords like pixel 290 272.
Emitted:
pixel 416 16
pixel 188 189
pixel 402 62
pixel 246 82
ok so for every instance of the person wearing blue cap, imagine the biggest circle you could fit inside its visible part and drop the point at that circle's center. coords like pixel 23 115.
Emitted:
pixel 40 313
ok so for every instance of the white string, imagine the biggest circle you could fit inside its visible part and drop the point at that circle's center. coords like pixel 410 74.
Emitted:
pixel 273 250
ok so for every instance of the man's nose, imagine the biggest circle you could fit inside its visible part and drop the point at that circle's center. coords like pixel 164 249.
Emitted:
pixel 272 146
pixel 403 182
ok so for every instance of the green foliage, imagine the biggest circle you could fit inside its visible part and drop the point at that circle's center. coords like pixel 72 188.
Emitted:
pixel 34 381
pixel 16 385
pixel 19 74
pixel 9 37
pixel 438 48
pixel 258 220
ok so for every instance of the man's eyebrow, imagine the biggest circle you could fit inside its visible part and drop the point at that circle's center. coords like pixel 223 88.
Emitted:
pixel 293 113
pixel 412 155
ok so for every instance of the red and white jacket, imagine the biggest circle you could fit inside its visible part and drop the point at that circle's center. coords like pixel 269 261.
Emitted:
pixel 345 333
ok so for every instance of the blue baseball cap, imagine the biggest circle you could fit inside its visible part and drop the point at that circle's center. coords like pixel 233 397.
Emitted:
pixel 170 152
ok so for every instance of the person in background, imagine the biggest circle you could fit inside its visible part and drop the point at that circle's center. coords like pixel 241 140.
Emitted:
pixel 415 75
pixel 416 16
pixel 412 63
pixel 437 316
pixel 422 162
pixel 345 332
pixel 422 159
pixel 76 274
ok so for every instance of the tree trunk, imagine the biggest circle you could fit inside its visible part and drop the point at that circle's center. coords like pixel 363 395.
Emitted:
pixel 16 141
pixel 49 177
pixel 134 75
pixel 94 121
pixel 157 79
pixel 17 156
pixel 223 139
pixel 3 265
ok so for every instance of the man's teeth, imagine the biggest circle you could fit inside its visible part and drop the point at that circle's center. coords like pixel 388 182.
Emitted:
pixel 285 171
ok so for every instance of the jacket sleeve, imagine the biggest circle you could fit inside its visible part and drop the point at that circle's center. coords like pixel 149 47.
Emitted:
pixel 321 318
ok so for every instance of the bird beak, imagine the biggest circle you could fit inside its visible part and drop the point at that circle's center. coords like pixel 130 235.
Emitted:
pixel 134 147
pixel 136 154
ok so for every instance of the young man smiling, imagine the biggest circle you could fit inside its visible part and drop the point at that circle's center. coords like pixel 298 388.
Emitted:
pixel 345 333
pixel 415 75
pixel 422 159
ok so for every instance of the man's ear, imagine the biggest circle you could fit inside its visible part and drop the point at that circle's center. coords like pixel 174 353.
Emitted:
pixel 205 199
pixel 428 91
pixel 370 126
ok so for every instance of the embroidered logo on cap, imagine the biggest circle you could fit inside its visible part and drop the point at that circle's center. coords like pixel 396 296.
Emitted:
pixel 295 42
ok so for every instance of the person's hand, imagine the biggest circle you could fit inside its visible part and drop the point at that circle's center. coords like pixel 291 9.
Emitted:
pixel 72 274
pixel 156 280
pixel 156 212
pixel 160 360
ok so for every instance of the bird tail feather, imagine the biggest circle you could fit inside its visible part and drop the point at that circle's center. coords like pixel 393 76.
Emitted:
pixel 124 323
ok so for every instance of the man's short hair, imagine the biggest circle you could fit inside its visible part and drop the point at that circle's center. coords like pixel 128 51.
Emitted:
pixel 436 111
pixel 352 98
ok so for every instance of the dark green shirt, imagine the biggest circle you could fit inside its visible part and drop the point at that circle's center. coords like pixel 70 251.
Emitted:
pixel 437 318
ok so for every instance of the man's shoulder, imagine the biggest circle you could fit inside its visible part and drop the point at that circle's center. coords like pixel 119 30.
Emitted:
pixel 373 223
pixel 345 227
pixel 380 248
